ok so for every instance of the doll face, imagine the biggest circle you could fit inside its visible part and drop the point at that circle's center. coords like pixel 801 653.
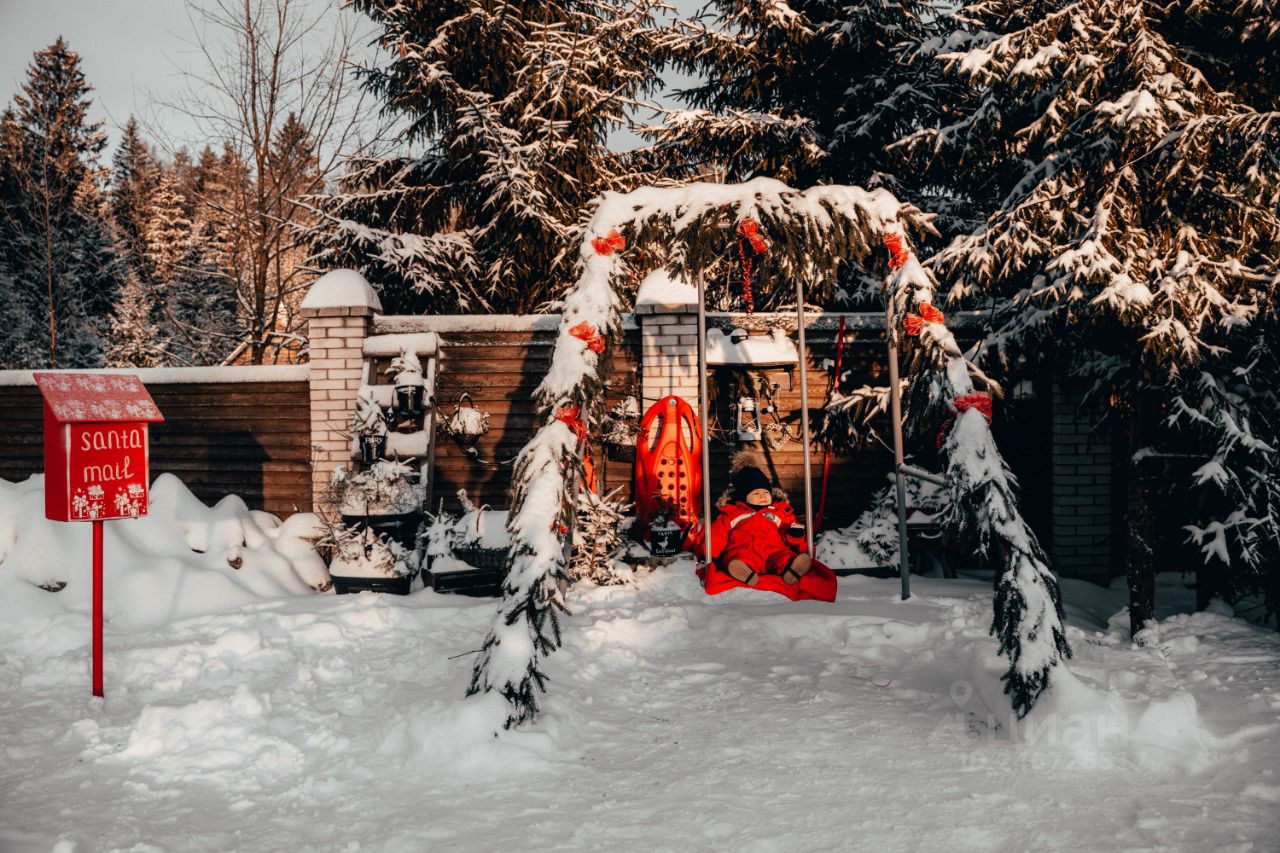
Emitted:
pixel 759 497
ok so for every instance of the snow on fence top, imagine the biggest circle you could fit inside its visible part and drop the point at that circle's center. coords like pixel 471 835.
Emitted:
pixel 182 375
pixel 418 343
pixel 341 289
pixel 463 323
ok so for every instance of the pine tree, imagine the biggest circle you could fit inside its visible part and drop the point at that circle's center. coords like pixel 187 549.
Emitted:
pixel 56 247
pixel 808 92
pixel 134 178
pixel 1104 230
pixel 134 338
pixel 166 231
pixel 506 110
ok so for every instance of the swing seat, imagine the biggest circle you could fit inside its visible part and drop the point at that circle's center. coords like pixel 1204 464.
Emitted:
pixel 818 584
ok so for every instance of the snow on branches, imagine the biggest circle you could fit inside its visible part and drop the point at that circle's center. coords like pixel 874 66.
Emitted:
pixel 982 507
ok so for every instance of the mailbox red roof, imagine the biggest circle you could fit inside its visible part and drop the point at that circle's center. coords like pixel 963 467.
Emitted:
pixel 97 398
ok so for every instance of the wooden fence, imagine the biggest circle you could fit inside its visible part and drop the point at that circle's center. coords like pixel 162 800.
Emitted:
pixel 246 430
pixel 235 430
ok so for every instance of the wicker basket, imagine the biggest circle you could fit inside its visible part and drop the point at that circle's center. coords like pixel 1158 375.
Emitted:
pixel 482 558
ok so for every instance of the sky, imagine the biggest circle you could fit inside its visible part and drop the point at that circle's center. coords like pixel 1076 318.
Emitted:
pixel 132 53
pixel 129 49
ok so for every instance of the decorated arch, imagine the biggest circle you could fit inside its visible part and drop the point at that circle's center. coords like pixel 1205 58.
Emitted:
pixel 808 235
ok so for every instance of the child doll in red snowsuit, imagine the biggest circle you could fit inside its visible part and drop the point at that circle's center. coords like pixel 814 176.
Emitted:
pixel 755 535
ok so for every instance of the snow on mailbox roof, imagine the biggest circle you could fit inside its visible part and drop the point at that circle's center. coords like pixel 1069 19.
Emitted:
pixel 97 398
pixel 342 289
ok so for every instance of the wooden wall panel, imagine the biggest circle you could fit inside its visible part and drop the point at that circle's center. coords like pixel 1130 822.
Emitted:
pixel 252 439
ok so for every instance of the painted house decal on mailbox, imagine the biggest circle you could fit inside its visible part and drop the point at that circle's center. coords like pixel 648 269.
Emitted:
pixel 95 443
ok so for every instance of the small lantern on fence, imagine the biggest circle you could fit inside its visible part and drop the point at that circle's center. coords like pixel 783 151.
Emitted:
pixel 467 423
pixel 410 387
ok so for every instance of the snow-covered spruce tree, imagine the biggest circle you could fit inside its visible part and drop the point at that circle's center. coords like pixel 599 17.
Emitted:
pixel 505 109
pixel 166 230
pixel 56 249
pixel 815 231
pixel 1225 413
pixel 1096 235
pixel 134 177
pixel 134 339
pixel 807 91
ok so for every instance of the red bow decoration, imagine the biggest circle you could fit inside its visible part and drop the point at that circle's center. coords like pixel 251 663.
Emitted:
pixel 613 242
pixel 963 403
pixel 913 325
pixel 568 415
pixel 749 230
pixel 898 253
pixel 586 332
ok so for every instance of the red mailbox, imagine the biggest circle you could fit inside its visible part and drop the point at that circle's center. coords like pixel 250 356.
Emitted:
pixel 95 445
pixel 96 462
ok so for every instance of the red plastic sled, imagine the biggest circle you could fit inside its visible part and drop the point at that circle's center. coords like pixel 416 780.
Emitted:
pixel 669 466
pixel 818 584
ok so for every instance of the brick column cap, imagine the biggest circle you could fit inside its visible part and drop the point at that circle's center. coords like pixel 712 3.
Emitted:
pixel 341 293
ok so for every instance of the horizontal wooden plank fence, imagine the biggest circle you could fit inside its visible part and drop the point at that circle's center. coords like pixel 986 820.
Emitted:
pixel 239 430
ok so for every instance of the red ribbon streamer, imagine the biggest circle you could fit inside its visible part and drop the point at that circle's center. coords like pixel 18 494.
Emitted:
pixel 586 332
pixel 607 245
pixel 568 415
pixel 963 403
pixel 898 254
pixel 749 230
pixel 913 324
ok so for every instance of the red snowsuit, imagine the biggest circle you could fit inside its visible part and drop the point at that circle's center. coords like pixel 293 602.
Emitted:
pixel 763 539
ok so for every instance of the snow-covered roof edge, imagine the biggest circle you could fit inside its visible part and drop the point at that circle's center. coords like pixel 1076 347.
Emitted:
pixel 182 375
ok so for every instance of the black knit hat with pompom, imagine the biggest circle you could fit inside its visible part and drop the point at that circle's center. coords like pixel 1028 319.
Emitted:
pixel 747 480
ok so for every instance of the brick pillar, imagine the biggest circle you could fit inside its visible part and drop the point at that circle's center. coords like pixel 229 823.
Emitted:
pixel 336 334
pixel 1082 513
pixel 668 352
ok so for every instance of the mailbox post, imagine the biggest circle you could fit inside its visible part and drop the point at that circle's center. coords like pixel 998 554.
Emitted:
pixel 96 461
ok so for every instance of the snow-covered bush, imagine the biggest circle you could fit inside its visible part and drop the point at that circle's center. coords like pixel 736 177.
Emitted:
pixel 385 488
pixel 359 552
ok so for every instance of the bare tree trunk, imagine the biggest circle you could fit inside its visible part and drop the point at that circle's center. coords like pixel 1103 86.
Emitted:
pixel 49 289
pixel 1140 524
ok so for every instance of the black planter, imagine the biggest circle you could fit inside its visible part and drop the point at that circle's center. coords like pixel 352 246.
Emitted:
pixel 397 528
pixel 664 540
pixel 398 585
pixel 372 448
pixel 409 402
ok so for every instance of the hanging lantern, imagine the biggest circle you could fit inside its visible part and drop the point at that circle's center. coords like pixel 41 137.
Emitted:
pixel 747 420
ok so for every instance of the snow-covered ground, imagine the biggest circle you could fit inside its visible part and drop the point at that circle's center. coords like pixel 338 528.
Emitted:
pixel 675 722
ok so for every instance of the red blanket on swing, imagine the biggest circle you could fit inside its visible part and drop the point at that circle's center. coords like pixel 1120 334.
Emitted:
pixel 818 584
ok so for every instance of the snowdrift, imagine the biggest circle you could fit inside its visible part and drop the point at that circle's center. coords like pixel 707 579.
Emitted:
pixel 181 560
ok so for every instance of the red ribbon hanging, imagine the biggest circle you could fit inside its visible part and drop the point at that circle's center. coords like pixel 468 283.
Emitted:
pixel 749 230
pixel 898 253
pixel 749 234
pixel 977 400
pixel 586 332
pixel 568 415
pixel 607 245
